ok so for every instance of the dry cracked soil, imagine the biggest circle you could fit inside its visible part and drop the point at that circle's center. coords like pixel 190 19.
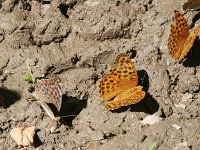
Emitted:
pixel 78 40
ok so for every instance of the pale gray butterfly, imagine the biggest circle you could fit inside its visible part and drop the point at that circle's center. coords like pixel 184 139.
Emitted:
pixel 49 91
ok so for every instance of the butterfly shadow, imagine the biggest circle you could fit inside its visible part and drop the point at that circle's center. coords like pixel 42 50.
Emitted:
pixel 37 142
pixel 70 108
pixel 195 19
pixel 9 97
pixel 193 57
pixel 148 105
pixel 143 79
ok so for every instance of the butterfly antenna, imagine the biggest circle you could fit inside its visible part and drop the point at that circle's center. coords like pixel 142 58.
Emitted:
pixel 68 116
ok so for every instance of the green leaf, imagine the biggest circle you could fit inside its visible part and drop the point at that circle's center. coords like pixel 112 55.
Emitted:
pixel 29 77
pixel 152 146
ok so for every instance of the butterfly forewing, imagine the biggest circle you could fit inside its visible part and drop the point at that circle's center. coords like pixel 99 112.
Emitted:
pixel 123 61
pixel 127 70
pixel 178 35
pixel 49 91
pixel 121 77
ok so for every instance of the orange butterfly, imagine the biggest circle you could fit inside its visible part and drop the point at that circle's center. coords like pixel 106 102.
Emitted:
pixel 180 39
pixel 121 83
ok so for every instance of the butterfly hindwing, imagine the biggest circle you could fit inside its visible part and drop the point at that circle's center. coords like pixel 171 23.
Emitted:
pixel 48 110
pixel 189 42
pixel 132 96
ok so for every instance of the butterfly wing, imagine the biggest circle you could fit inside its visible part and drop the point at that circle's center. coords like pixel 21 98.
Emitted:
pixel 178 35
pixel 48 110
pixel 132 96
pixel 192 4
pixel 189 42
pixel 120 78
pixel 49 91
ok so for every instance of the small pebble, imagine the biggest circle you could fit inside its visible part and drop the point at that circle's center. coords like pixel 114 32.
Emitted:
pixel 175 126
pixel 151 119
pixel 180 106
pixel 181 146
pixel 52 128
pixel 186 97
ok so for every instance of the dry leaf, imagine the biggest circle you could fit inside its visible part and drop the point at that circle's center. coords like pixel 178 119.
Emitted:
pixel 23 136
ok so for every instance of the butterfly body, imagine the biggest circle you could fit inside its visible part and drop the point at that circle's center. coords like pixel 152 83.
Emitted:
pixel 121 84
pixel 180 39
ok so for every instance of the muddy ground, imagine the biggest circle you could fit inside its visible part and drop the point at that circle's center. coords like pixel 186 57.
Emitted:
pixel 78 40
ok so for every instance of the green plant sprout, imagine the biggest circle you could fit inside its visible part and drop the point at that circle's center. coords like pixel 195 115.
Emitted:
pixel 152 146
pixel 29 76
